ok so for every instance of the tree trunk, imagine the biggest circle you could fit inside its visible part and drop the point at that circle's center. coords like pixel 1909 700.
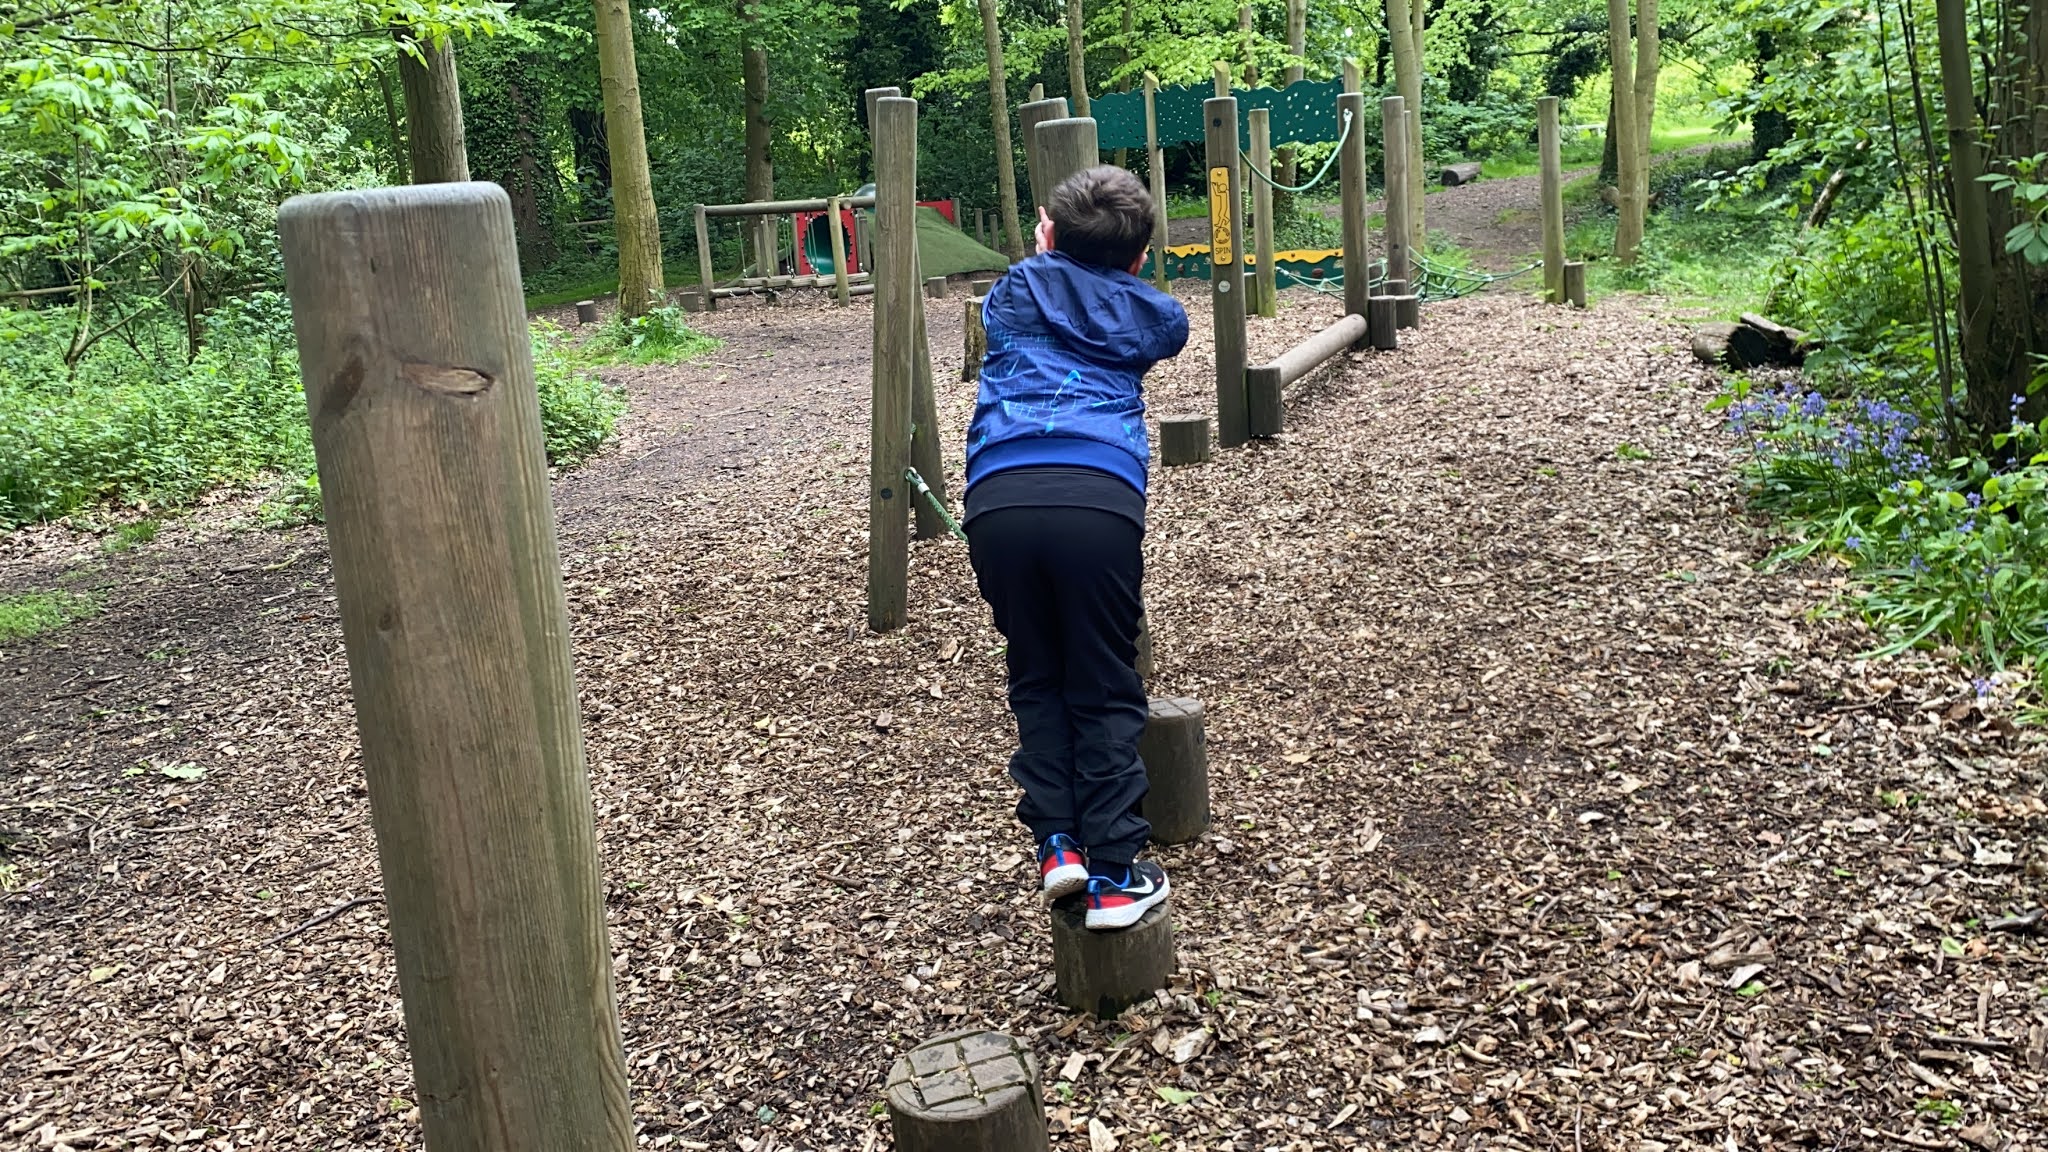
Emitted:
pixel 633 214
pixel 1631 178
pixel 2001 298
pixel 1077 63
pixel 999 121
pixel 433 115
pixel 760 173
pixel 1297 44
pixel 1769 128
pixel 1404 20
pixel 587 145
pixel 1244 39
pixel 1610 158
pixel 530 181
pixel 391 123
pixel 1124 85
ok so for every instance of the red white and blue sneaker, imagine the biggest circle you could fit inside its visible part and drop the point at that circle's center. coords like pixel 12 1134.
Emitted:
pixel 1119 902
pixel 1062 866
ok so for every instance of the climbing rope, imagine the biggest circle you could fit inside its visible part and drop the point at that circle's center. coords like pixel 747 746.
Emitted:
pixel 1327 164
pixel 937 504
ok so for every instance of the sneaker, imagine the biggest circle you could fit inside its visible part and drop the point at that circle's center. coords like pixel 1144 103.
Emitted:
pixel 1114 903
pixel 1062 867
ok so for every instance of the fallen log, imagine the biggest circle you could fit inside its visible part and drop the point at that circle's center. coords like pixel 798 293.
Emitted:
pixel 1456 174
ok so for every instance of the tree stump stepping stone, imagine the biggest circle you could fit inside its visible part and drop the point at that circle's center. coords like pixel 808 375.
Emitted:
pixel 1175 751
pixel 1183 440
pixel 970 1091
pixel 1107 972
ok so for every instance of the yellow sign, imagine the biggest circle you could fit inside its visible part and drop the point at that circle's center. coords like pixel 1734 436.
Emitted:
pixel 1222 229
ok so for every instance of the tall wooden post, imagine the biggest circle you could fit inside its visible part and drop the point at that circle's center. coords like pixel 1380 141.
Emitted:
pixel 1155 164
pixel 1262 211
pixel 1394 174
pixel 925 454
pixel 1226 266
pixel 1351 179
pixel 1066 147
pixel 1550 190
pixel 704 273
pixel 897 307
pixel 839 292
pixel 1029 117
pixel 419 386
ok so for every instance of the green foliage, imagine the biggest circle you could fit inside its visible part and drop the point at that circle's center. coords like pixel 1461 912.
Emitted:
pixel 30 614
pixel 2025 185
pixel 577 410
pixel 1856 286
pixel 662 336
pixel 133 534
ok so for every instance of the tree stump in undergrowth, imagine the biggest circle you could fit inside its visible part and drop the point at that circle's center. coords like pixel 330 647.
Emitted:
pixel 967 1091
pixel 1175 751
pixel 586 311
pixel 1107 972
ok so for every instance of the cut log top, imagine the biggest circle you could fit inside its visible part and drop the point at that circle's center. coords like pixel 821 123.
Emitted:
pixel 961 1073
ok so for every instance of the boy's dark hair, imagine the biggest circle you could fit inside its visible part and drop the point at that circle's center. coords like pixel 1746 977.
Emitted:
pixel 1101 216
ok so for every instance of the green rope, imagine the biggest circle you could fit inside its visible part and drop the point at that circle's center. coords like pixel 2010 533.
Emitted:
pixel 1327 164
pixel 925 490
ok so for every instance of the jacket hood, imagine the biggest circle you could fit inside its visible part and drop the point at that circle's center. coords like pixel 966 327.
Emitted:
pixel 1104 314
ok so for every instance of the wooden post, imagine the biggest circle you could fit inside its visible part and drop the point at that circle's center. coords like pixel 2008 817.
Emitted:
pixel 935 287
pixel 1145 665
pixel 1380 323
pixel 1155 165
pixel 1352 199
pixel 967 1091
pixel 704 276
pixel 1176 758
pixel 974 338
pixel 1066 146
pixel 925 454
pixel 1264 411
pixel 1226 266
pixel 1407 309
pixel 420 390
pixel 1223 82
pixel 1262 212
pixel 832 211
pixel 1183 440
pixel 1107 972
pixel 586 312
pixel 1029 116
pixel 981 227
pixel 1550 193
pixel 1394 174
pixel 1575 282
pixel 897 307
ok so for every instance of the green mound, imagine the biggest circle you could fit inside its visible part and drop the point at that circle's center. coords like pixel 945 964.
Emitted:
pixel 944 250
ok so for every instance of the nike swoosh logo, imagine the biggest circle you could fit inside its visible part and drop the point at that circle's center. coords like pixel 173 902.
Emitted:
pixel 1147 890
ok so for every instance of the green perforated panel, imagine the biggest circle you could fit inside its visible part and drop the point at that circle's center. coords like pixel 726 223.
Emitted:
pixel 1304 112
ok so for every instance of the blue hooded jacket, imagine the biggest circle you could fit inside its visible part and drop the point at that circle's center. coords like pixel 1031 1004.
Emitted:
pixel 1068 348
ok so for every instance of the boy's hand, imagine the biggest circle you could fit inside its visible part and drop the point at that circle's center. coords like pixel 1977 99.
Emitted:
pixel 1044 232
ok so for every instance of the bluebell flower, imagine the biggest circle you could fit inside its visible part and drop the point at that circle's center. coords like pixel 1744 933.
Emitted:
pixel 1983 687
pixel 1917 564
pixel 1975 499
pixel 1813 405
pixel 1852 543
pixel 1967 526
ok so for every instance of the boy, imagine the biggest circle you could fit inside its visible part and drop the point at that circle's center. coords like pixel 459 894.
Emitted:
pixel 1056 466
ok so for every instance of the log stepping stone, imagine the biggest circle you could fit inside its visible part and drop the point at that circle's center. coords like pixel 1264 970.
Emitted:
pixel 970 1091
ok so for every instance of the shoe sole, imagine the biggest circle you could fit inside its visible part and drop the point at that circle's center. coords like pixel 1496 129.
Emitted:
pixel 1064 881
pixel 1128 914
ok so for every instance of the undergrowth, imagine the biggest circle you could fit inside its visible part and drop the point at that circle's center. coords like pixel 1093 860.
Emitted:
pixel 661 336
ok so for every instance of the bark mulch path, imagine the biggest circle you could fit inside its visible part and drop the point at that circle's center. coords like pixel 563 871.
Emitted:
pixel 1544 818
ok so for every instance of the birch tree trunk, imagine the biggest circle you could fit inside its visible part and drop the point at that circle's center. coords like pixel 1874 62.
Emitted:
pixel 999 121
pixel 633 215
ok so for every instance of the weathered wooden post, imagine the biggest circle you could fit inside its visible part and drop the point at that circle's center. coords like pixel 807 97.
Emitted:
pixel 1265 413
pixel 1351 185
pixel 935 287
pixel 1029 116
pixel 1107 972
pixel 1379 321
pixel 1066 146
pixel 1226 269
pixel 832 211
pixel 1267 276
pixel 925 453
pixel 1394 175
pixel 426 429
pixel 1407 309
pixel 1175 751
pixel 1550 191
pixel 705 279
pixel 1575 282
pixel 967 1092
pixel 586 312
pixel 1156 168
pixel 897 306
pixel 1183 440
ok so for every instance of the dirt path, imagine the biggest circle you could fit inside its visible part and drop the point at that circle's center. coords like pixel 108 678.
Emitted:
pixel 1543 819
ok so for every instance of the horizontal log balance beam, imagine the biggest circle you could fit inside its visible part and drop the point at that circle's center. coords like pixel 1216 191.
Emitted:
pixel 1263 382
pixel 780 207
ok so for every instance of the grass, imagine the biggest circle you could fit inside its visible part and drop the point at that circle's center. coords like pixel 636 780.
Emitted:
pixel 34 613
pixel 592 287
pixel 132 535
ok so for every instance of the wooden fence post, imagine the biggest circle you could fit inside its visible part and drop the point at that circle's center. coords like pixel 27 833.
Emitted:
pixel 1550 191
pixel 832 211
pixel 1029 116
pixel 1351 178
pixel 925 454
pixel 1394 175
pixel 1156 168
pixel 1226 266
pixel 898 306
pixel 420 391
pixel 1268 277
pixel 1066 146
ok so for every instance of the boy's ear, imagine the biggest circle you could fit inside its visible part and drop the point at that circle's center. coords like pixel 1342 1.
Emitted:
pixel 1137 264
